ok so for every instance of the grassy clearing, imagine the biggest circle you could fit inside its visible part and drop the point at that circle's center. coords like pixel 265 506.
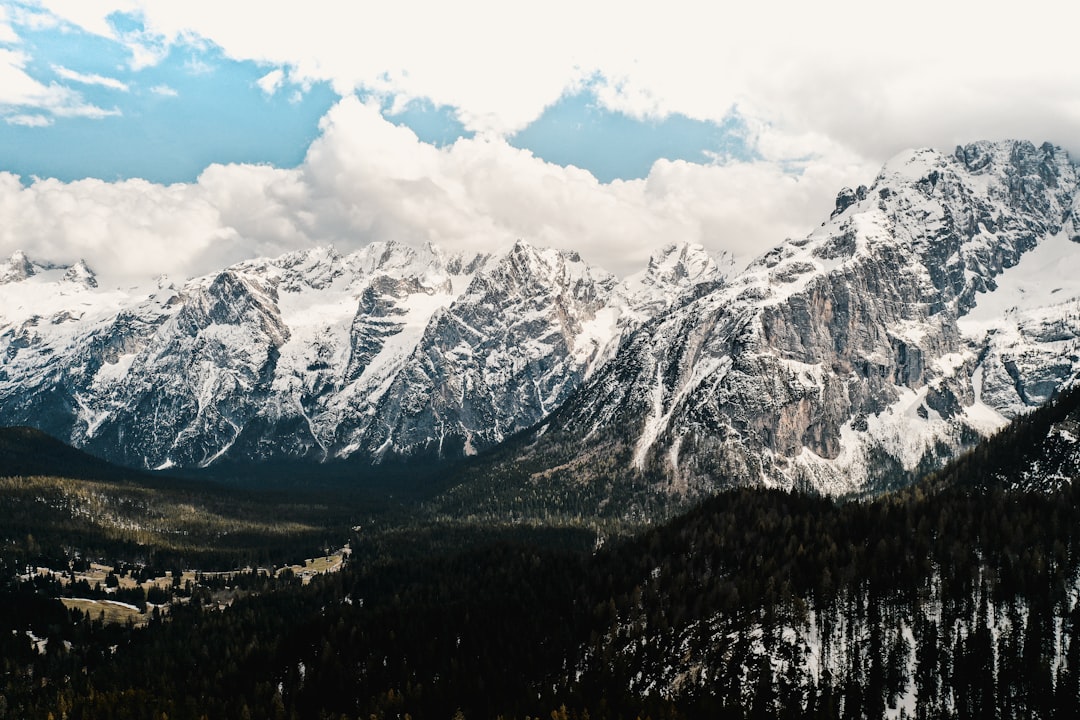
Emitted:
pixel 329 563
pixel 113 612
pixel 316 566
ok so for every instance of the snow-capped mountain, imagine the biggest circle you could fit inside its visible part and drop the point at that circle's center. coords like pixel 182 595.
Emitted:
pixel 389 351
pixel 927 310
pixel 930 308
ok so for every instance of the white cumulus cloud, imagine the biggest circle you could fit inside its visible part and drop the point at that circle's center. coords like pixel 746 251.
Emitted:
pixel 7 33
pixel 366 179
pixel 28 120
pixel 829 91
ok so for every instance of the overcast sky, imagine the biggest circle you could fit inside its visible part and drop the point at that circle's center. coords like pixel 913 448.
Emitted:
pixel 176 137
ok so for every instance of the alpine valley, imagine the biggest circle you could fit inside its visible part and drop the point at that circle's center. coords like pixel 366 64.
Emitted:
pixel 837 482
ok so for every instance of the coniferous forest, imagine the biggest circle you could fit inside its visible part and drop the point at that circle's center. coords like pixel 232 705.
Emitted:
pixel 956 597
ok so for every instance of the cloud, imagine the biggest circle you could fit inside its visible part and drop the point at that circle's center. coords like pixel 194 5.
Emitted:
pixel 7 33
pixel 28 120
pixel 871 82
pixel 828 91
pixel 366 179
pixel 195 66
pixel 89 79
pixel 164 91
pixel 271 81
pixel 20 92
pixel 145 52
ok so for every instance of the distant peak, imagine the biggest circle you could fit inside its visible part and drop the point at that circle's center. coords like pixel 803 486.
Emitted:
pixel 81 274
pixel 674 252
pixel 433 250
pixel 980 157
pixel 467 263
pixel 521 246
pixel 681 263
pixel 978 154
pixel 18 267
pixel 549 255
pixel 392 253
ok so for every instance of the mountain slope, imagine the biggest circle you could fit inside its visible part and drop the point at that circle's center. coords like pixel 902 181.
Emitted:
pixel 925 312
pixel 1036 452
pixel 841 361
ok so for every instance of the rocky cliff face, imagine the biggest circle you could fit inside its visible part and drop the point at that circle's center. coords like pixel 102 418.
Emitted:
pixel 499 358
pixel 838 360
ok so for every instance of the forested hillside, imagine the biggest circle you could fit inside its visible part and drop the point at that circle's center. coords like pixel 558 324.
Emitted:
pixel 954 598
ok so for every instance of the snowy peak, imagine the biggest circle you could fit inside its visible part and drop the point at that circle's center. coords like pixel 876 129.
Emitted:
pixel 398 259
pixel 964 217
pixel 233 298
pixel 681 266
pixel 315 268
pixel 1015 158
pixel 526 267
pixel 81 274
pixel 17 267
pixel 466 263
pixel 313 354
pixel 673 275
pixel 1018 174
pixel 321 267
pixel 502 355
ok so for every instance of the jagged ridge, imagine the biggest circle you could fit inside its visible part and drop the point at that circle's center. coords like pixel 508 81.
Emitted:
pixel 387 352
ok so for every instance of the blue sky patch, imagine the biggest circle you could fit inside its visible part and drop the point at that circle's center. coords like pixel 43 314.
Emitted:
pixel 168 121
pixel 194 108
pixel 578 131
pixel 438 126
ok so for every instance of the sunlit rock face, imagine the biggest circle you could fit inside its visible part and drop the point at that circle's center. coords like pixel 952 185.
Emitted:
pixel 840 360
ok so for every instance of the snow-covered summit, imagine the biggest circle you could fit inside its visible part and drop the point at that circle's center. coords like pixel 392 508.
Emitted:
pixel 80 273
pixel 20 267
pixel 681 265
pixel 17 267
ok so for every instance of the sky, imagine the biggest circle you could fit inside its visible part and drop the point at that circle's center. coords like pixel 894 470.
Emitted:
pixel 152 137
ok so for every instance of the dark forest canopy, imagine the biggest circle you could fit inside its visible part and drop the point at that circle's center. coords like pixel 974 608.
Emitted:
pixel 956 597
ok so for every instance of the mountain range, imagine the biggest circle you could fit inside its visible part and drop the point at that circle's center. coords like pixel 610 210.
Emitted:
pixel 930 308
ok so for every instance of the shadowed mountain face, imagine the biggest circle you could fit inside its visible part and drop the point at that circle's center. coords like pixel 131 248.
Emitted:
pixel 28 452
